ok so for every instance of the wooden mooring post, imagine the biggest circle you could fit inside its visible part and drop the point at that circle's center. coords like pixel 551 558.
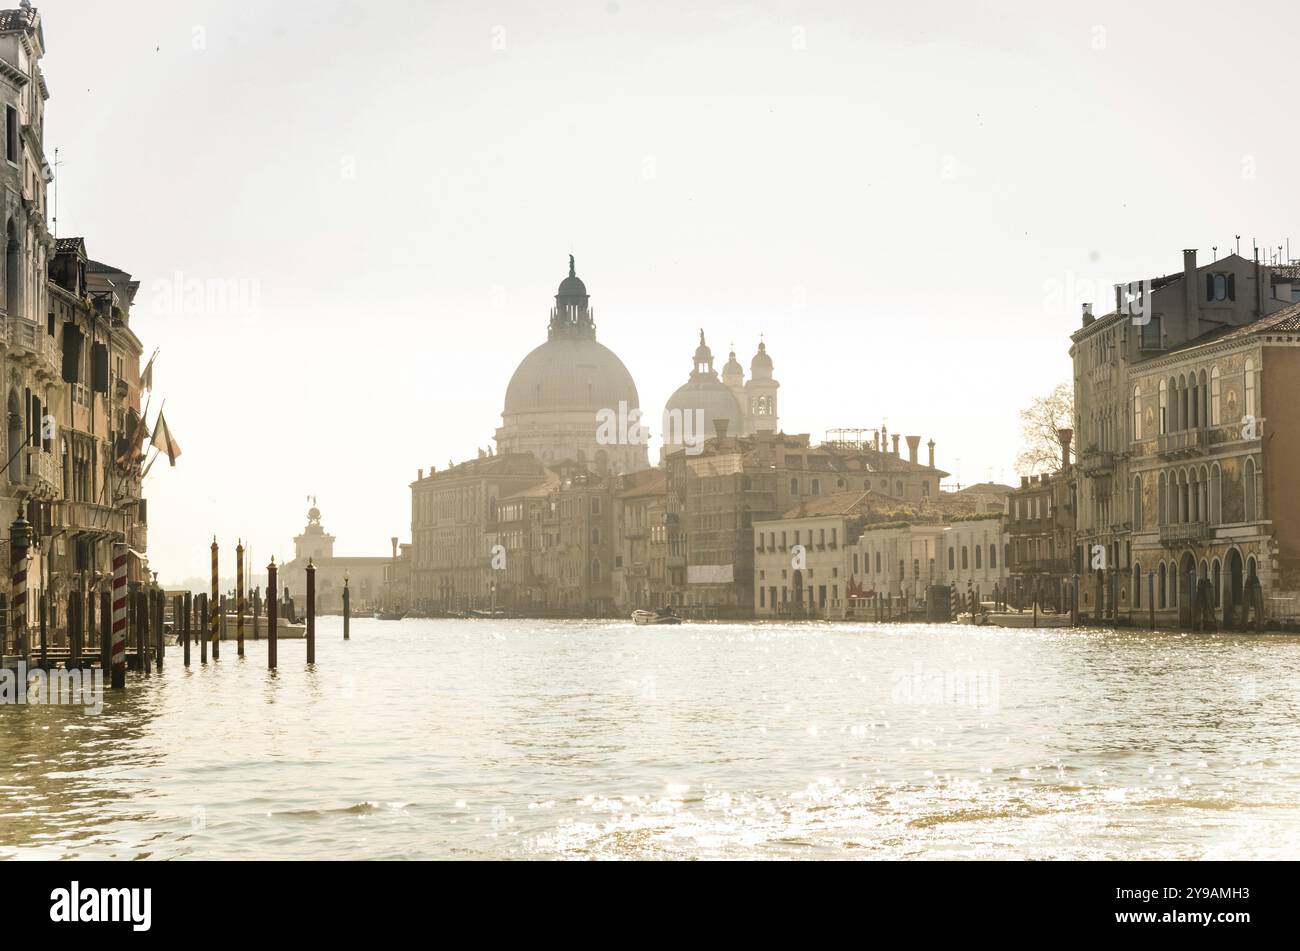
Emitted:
pixel 105 632
pixel 45 656
pixel 270 617
pixel 74 630
pixel 257 611
pixel 347 609
pixel 311 612
pixel 160 642
pixel 239 596
pixel 201 626
pixel 186 615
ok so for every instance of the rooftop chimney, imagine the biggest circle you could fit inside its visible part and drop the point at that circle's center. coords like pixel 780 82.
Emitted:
pixel 394 549
pixel 1191 295
pixel 1065 436
pixel 1024 482
pixel 931 453
pixel 913 447
pixel 896 438
pixel 420 475
pixel 1087 309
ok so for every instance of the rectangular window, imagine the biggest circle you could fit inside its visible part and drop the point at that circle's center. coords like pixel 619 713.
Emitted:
pixel 11 134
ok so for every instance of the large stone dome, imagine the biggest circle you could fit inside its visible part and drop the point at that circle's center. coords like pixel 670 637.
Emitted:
pixel 570 374
pixel 572 398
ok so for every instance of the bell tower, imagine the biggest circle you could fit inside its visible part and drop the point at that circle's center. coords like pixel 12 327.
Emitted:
pixel 760 394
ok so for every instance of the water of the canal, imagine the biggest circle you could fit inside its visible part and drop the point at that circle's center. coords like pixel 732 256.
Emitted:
pixel 527 739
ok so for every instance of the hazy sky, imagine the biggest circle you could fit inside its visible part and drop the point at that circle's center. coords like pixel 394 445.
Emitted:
pixel 911 201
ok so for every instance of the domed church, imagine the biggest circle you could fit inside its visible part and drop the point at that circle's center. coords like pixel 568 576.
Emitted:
pixel 704 400
pixel 562 392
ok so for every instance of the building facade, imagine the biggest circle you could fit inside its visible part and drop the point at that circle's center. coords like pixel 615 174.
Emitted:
pixel 1123 409
pixel 74 440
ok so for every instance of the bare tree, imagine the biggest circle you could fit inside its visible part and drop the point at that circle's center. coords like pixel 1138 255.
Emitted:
pixel 1039 422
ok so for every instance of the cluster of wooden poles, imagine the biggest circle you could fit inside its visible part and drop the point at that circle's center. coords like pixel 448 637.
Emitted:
pixel 133 615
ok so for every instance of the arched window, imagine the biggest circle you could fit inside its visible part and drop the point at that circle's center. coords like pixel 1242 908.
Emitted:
pixel 1164 408
pixel 993 556
pixel 1216 494
pixel 979 561
pixel 1137 503
pixel 816 486
pixel 952 558
pixel 1202 401
pixel 1250 490
pixel 1216 573
pixel 1137 412
pixel 1162 585
pixel 1250 388
pixel 965 558
pixel 1216 392
pixel 1162 501
pixel 595 569
pixel 794 486
pixel 13 272
pixel 1137 586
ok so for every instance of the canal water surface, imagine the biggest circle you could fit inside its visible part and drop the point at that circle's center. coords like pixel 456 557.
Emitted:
pixel 530 739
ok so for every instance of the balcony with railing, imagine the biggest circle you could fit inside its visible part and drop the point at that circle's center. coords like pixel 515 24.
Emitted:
pixel 40 472
pixel 1185 533
pixel 1096 462
pixel 1185 442
pixel 31 346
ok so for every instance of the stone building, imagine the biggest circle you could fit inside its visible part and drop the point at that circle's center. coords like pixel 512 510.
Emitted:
pixel 975 554
pixel 802 561
pixel 70 365
pixel 1040 535
pixel 365 575
pixel 639 573
pixel 1117 420
pixel 454 515
pixel 1215 442
pixel 715 497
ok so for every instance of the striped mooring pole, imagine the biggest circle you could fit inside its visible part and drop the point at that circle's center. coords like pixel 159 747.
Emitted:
pixel 239 596
pixel 214 605
pixel 119 616
pixel 20 540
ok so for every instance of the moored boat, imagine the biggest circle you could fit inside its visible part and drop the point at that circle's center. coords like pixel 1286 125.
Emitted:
pixel 655 617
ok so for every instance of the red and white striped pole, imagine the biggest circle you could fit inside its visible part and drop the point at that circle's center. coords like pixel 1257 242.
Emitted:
pixel 119 617
pixel 20 540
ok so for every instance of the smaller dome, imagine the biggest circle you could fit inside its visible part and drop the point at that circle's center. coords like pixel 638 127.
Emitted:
pixel 313 514
pixel 694 409
pixel 761 365
pixel 732 367
pixel 572 287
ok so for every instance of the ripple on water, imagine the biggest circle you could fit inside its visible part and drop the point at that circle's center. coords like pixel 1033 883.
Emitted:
pixel 458 739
